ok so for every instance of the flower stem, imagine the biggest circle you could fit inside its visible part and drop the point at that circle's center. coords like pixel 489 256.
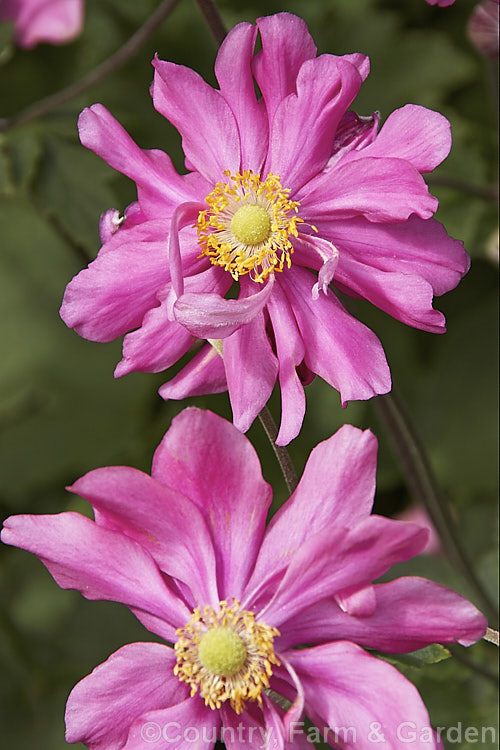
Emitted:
pixel 281 453
pixel 214 19
pixel 492 636
pixel 110 65
pixel 424 486
pixel 485 192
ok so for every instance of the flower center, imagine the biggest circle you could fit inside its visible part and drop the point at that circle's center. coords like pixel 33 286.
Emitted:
pixel 248 224
pixel 225 655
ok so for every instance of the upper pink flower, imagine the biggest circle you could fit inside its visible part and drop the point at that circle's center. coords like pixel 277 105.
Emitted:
pixel 35 21
pixel 483 28
pixel 285 194
pixel 441 3
pixel 188 551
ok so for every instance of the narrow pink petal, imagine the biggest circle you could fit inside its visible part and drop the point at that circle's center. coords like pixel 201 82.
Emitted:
pixel 261 728
pixel 304 125
pixel 207 459
pixel 135 679
pixel 164 522
pixel 100 303
pixel 415 247
pixel 251 371
pixel 290 352
pixel 410 613
pixel 406 297
pixel 100 563
pixel 413 133
pixel 184 215
pixel 286 45
pixel 160 186
pixel 337 558
pixel 233 70
pixel 296 710
pixel 381 189
pixel 210 138
pixel 343 687
pixel 336 490
pixel 189 725
pixel 210 316
pixel 338 348
pixel 203 374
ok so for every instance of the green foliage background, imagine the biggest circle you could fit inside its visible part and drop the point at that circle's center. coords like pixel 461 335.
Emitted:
pixel 61 412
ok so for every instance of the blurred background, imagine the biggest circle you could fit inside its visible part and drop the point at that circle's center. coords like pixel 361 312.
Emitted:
pixel 61 411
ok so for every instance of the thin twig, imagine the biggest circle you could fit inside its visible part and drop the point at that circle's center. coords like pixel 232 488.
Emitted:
pixel 485 192
pixel 110 65
pixel 457 653
pixel 214 19
pixel 424 486
pixel 492 636
pixel 281 453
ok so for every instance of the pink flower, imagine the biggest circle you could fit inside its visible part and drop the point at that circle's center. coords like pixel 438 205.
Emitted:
pixel 284 194
pixel 35 21
pixel 441 3
pixel 187 550
pixel 482 28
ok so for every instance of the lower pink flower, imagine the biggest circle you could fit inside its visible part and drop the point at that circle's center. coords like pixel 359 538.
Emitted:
pixel 188 551
pixel 35 21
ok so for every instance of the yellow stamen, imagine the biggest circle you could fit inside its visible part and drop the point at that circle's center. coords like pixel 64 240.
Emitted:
pixel 226 655
pixel 248 224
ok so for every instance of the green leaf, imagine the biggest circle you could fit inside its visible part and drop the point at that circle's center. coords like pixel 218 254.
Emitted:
pixel 432 654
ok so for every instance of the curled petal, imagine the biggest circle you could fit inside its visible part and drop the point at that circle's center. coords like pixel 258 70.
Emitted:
pixel 203 374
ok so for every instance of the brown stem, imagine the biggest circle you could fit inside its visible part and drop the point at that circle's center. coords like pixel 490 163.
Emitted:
pixel 214 19
pixel 486 192
pixel 281 453
pixel 110 65
pixel 424 486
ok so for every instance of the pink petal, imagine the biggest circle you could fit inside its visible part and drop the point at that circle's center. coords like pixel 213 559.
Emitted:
pixel 161 188
pixel 210 316
pixel 286 45
pixel 183 216
pixel 381 189
pixel 354 132
pixel 413 133
pixel 49 21
pixel 304 125
pixel 213 464
pixel 100 563
pixel 415 247
pixel 135 679
pixel 335 559
pixel 406 297
pixel 203 374
pixel 336 490
pixel 343 687
pixel 163 521
pixel 234 74
pixel 101 303
pixel 290 352
pixel 189 725
pixel 338 348
pixel 359 602
pixel 410 613
pixel 251 371
pixel 209 132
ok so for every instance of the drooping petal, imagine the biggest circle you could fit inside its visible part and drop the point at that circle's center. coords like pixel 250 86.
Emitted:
pixel 164 522
pixel 161 188
pixel 338 348
pixel 337 558
pixel 188 725
pixel 183 216
pixel 381 189
pixel 203 374
pixel 286 45
pixel 101 303
pixel 210 138
pixel 415 247
pixel 336 489
pixel 290 352
pixel 303 128
pixel 413 133
pixel 210 316
pixel 100 563
pixel 251 371
pixel 343 691
pixel 234 73
pixel 410 613
pixel 135 679
pixel 207 459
